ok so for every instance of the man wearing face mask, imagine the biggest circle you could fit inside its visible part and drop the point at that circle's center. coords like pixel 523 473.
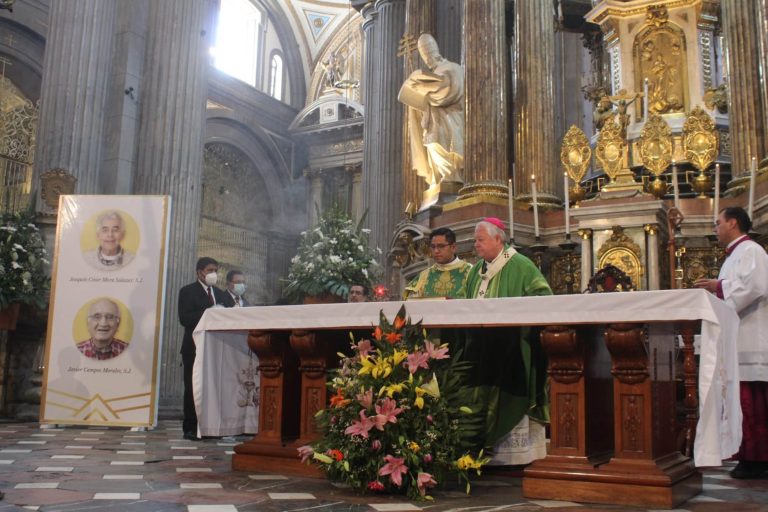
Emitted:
pixel 236 288
pixel 194 299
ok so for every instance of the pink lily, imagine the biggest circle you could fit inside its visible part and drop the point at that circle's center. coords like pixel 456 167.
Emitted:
pixel 364 348
pixel 386 412
pixel 417 360
pixel 365 399
pixel 435 351
pixel 424 480
pixel 361 428
pixel 395 468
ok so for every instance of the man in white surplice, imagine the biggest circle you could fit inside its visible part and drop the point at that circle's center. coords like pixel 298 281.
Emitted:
pixel 743 285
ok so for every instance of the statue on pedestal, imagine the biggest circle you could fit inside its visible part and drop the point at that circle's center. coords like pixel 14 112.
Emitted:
pixel 435 116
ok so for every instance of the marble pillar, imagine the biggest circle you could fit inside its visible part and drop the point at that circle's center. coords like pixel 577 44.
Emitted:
pixel 653 267
pixel 356 179
pixel 586 257
pixel 486 152
pixel 419 19
pixel 78 53
pixel 170 150
pixel 740 29
pixel 762 33
pixel 383 176
pixel 315 196
pixel 534 123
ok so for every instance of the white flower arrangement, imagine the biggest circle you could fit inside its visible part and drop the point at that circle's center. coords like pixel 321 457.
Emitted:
pixel 331 258
pixel 23 261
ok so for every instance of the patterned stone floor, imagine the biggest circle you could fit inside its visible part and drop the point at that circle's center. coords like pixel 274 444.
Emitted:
pixel 78 469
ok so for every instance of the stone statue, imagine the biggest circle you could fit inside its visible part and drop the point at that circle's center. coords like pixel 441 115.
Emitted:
pixel 435 115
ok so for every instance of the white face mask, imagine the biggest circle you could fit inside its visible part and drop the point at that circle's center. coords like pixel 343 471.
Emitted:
pixel 239 289
pixel 211 279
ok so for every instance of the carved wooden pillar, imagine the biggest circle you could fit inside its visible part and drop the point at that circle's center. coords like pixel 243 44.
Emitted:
pixel 691 384
pixel 316 355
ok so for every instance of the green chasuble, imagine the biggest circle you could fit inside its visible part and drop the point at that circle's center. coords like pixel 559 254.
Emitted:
pixel 440 281
pixel 509 366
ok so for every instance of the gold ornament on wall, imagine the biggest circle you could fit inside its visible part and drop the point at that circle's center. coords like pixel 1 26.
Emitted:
pixel 622 252
pixel 575 153
pixel 610 149
pixel 700 140
pixel 656 147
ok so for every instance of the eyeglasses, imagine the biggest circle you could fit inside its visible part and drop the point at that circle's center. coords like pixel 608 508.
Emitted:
pixel 99 317
pixel 439 246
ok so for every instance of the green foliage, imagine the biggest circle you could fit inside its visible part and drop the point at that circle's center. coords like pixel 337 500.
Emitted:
pixel 398 419
pixel 332 257
pixel 23 262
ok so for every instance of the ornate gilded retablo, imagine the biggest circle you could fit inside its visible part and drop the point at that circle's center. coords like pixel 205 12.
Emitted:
pixel 610 149
pixel 700 139
pixel 656 145
pixel 575 153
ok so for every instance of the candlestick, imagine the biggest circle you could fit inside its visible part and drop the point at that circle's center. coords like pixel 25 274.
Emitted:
pixel 535 206
pixel 752 181
pixel 567 206
pixel 511 202
pixel 675 187
pixel 645 100
pixel 717 193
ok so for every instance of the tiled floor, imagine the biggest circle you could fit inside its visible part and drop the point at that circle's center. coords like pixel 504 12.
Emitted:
pixel 76 468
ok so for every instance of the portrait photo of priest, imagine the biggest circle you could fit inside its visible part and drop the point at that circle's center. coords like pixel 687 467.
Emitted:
pixel 112 242
pixel 107 337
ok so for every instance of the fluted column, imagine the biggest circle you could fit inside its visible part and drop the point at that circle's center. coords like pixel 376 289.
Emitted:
pixel 746 121
pixel 534 101
pixel 383 178
pixel 485 80
pixel 315 196
pixel 76 68
pixel 170 149
pixel 356 208
pixel 762 33
pixel 419 19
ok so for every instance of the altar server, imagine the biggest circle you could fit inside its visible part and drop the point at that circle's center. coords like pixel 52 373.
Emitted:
pixel 743 285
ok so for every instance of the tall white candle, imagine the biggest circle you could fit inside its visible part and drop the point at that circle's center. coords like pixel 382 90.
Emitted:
pixel 567 205
pixel 511 194
pixel 752 182
pixel 645 100
pixel 675 187
pixel 535 206
pixel 716 206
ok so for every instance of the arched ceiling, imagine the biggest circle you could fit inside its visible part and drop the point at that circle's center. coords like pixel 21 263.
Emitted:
pixel 315 22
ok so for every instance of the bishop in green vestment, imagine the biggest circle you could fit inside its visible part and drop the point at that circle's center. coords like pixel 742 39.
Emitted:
pixel 447 276
pixel 510 365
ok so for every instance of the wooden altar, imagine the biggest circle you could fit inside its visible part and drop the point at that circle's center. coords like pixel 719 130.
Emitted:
pixel 612 384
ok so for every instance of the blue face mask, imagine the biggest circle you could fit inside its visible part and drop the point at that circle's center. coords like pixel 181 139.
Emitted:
pixel 239 289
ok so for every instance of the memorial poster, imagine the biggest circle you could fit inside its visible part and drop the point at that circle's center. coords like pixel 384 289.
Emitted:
pixel 105 319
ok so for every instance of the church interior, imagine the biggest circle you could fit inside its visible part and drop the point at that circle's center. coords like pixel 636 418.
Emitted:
pixel 603 133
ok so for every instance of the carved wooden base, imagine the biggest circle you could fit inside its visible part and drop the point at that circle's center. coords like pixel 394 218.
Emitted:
pixel 284 460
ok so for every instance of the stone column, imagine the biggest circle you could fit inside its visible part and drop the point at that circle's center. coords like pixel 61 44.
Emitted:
pixel 654 279
pixel 762 32
pixel 486 152
pixel 315 178
pixel 356 208
pixel 586 257
pixel 170 150
pixel 535 144
pixel 746 121
pixel 78 53
pixel 383 177
pixel 419 19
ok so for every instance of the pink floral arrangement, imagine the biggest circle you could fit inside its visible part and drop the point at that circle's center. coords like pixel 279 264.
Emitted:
pixel 398 421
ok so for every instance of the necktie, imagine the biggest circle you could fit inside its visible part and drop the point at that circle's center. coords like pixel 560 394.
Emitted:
pixel 237 300
pixel 210 296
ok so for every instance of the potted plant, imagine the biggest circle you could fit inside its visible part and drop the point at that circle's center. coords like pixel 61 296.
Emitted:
pixel 23 277
pixel 331 257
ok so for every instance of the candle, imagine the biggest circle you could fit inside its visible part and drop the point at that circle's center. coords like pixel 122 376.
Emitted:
pixel 535 206
pixel 675 187
pixel 511 194
pixel 752 178
pixel 567 206
pixel 717 193
pixel 645 100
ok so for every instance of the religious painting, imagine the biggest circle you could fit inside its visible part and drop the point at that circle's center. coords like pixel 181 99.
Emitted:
pixel 103 343
pixel 659 52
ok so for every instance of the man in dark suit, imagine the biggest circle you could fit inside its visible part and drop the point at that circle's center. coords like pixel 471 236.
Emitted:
pixel 236 288
pixel 194 299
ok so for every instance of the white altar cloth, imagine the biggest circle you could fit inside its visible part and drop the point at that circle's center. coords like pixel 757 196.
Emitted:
pixel 718 433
